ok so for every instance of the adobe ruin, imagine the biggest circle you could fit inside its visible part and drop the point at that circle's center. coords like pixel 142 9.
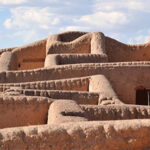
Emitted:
pixel 75 90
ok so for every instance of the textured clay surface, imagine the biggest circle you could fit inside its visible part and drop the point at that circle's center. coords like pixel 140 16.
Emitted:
pixel 75 91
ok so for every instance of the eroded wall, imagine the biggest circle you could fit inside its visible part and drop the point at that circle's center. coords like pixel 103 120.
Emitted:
pixel 114 135
pixel 23 111
pixel 31 56
pixel 120 52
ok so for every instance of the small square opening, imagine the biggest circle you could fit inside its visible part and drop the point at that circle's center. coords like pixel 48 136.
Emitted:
pixel 143 97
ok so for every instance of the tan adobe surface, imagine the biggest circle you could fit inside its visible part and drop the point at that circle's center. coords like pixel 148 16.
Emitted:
pixel 74 91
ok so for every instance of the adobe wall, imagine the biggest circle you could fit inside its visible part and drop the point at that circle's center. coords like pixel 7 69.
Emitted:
pixel 130 76
pixel 100 84
pixel 115 112
pixel 65 111
pixel 53 60
pixel 6 50
pixel 95 135
pixel 31 56
pixel 68 42
pixel 23 111
pixel 79 96
pixel 126 80
pixel 75 84
pixel 75 119
pixel 97 43
pixel 69 36
pixel 70 111
pixel 8 61
pixel 118 51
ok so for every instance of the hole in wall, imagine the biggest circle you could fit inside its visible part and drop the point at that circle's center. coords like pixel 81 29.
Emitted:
pixel 143 96
pixel 19 65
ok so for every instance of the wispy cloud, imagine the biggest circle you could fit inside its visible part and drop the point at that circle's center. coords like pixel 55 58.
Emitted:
pixel 30 23
pixel 110 5
pixel 74 28
pixel 105 19
pixel 10 2
pixel 31 17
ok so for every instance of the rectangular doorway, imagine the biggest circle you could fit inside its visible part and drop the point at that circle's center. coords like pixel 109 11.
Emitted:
pixel 143 97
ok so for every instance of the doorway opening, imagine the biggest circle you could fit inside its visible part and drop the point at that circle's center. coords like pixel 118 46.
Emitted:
pixel 143 97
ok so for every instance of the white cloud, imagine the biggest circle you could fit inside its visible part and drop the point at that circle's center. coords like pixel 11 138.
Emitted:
pixel 7 23
pixel 74 28
pixel 111 5
pixel 8 2
pixel 31 17
pixel 105 19
pixel 139 39
pixel 134 5
pixel 31 23
pixel 66 2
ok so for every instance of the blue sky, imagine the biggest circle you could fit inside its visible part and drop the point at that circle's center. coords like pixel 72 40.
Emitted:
pixel 25 21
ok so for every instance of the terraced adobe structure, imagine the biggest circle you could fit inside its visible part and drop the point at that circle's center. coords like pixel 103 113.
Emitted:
pixel 75 91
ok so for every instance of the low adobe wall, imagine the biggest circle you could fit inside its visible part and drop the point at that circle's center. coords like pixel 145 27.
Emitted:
pixel 70 111
pixel 115 112
pixel 79 96
pixel 23 111
pixel 95 135
pixel 75 84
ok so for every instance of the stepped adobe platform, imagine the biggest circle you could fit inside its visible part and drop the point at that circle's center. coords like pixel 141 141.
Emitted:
pixel 75 91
